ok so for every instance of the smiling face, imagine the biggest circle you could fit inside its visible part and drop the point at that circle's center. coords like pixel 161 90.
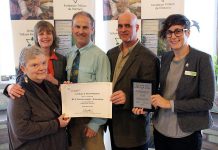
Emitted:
pixel 178 42
pixel 127 27
pixel 36 68
pixel 45 36
pixel 82 30
pixel 45 39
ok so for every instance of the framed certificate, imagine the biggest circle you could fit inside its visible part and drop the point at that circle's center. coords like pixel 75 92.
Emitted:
pixel 141 93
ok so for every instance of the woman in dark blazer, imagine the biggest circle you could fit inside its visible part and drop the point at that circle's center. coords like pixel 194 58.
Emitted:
pixel 34 120
pixel 44 37
pixel 187 90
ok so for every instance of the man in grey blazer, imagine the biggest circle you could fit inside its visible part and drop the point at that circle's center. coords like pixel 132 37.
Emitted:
pixel 130 60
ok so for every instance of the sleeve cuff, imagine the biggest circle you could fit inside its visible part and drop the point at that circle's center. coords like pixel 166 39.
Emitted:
pixel 172 105
pixel 58 123
pixel 5 92
pixel 93 126
pixel 95 123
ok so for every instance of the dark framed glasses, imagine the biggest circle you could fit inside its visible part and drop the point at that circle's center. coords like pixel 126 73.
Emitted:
pixel 177 32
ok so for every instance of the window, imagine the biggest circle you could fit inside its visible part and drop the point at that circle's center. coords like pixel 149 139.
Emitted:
pixel 6 44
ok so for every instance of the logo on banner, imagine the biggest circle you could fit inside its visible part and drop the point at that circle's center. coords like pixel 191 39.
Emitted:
pixel 29 41
pixel 75 1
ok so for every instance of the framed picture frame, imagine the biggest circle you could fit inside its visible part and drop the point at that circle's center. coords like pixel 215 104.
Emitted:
pixel 141 91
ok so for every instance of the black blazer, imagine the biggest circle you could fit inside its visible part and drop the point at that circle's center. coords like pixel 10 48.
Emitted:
pixel 194 94
pixel 59 65
pixel 130 130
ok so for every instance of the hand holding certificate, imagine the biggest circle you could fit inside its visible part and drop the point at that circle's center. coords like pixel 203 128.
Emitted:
pixel 87 99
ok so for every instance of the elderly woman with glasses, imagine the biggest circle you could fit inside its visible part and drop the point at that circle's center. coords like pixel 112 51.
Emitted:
pixel 187 90
pixel 34 120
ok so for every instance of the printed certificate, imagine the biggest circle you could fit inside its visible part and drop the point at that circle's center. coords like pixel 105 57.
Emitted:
pixel 87 99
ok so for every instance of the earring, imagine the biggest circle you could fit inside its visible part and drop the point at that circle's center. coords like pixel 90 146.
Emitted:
pixel 26 79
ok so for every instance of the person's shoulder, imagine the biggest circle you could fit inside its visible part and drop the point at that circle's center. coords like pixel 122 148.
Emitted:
pixel 195 53
pixel 69 53
pixel 22 81
pixel 96 50
pixel 198 52
pixel 144 51
pixel 113 50
pixel 26 84
pixel 167 53
pixel 59 55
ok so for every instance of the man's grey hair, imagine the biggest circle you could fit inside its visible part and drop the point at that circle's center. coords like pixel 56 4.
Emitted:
pixel 29 53
pixel 83 13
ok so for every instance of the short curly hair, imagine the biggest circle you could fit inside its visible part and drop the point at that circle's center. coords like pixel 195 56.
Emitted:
pixel 28 53
pixel 174 19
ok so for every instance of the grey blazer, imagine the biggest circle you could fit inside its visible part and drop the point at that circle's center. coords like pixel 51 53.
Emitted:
pixel 130 130
pixel 195 93
pixel 32 118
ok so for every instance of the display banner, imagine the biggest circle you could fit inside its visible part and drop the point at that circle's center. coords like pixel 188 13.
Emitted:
pixel 157 9
pixel 64 9
pixel 150 14
pixel 26 13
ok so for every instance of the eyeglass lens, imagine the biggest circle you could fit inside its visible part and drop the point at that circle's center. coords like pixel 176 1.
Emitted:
pixel 177 32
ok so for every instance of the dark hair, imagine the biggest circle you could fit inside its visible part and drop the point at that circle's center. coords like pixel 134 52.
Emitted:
pixel 45 26
pixel 175 19
pixel 83 13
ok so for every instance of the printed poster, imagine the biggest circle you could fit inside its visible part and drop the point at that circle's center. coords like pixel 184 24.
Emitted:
pixel 64 9
pixel 156 9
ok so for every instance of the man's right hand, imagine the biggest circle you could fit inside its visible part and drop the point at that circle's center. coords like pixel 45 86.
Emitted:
pixel 15 90
pixel 118 97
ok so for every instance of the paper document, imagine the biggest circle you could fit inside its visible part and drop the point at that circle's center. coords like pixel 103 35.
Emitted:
pixel 87 99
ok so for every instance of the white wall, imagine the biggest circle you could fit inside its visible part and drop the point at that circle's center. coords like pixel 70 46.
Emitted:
pixel 100 31
pixel 205 12
pixel 6 47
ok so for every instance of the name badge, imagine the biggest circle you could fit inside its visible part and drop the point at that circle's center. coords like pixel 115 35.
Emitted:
pixel 191 73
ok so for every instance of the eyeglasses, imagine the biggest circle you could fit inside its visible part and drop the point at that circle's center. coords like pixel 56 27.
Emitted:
pixel 177 32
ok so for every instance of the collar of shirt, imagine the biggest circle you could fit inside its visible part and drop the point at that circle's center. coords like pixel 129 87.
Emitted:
pixel 130 49
pixel 53 56
pixel 84 48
